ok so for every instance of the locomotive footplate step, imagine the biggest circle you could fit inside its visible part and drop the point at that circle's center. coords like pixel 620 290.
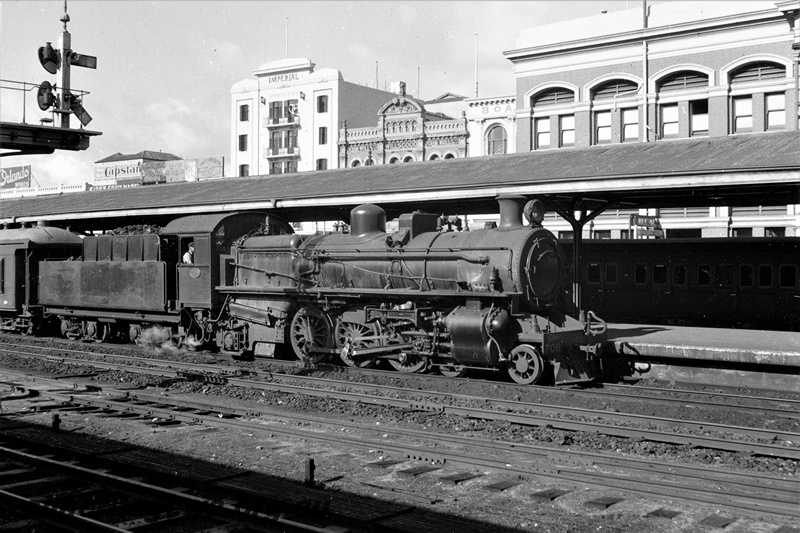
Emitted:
pixel 603 503
pixel 717 520
pixel 500 486
pixel 386 463
pixel 548 495
pixel 663 513
pixel 417 470
pixel 455 479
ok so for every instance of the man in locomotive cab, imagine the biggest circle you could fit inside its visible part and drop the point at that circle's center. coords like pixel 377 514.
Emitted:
pixel 188 257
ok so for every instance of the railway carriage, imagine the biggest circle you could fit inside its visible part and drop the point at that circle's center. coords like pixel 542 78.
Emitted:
pixel 722 282
pixel 22 251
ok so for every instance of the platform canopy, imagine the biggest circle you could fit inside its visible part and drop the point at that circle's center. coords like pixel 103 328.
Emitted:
pixel 737 170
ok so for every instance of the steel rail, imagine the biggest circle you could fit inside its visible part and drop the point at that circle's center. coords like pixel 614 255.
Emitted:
pixel 756 493
pixel 517 418
pixel 206 507
pixel 793 412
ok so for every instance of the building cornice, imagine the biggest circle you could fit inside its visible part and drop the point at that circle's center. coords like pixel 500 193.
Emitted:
pixel 648 34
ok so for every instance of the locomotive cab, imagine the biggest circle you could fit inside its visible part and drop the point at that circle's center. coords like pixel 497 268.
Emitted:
pixel 212 264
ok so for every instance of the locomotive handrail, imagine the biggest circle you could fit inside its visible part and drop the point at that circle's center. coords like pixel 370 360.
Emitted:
pixel 269 273
pixel 248 289
pixel 400 254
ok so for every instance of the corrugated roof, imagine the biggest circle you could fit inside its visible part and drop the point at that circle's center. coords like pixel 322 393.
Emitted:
pixel 146 154
pixel 694 157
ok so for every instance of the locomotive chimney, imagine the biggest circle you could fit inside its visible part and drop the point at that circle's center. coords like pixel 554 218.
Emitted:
pixel 367 219
pixel 510 211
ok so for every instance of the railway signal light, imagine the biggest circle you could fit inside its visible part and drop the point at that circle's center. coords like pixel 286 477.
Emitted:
pixel 45 97
pixel 50 58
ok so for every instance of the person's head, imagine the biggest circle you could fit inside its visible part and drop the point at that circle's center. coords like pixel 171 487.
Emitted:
pixel 191 246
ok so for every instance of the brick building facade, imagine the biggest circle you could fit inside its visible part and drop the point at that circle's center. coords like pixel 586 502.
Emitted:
pixel 681 70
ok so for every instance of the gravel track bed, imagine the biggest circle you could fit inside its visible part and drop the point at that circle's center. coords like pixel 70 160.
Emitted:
pixel 545 436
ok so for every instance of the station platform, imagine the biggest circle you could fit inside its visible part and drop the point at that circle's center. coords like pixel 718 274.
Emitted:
pixel 746 357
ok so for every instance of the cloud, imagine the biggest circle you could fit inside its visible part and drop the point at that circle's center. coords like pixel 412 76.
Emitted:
pixel 167 109
pixel 61 168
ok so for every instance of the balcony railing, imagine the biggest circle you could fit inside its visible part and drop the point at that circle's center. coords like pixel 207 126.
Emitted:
pixel 283 152
pixel 274 122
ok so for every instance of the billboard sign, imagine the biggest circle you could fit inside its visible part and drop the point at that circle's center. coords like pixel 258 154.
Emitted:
pixel 15 177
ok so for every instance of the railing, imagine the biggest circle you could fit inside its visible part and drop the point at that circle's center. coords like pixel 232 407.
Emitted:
pixel 23 88
pixel 283 121
pixel 41 191
pixel 283 152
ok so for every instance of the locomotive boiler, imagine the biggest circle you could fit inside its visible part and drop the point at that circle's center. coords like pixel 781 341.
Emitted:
pixel 417 298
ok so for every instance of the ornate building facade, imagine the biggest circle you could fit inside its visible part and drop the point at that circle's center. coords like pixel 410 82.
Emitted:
pixel 406 132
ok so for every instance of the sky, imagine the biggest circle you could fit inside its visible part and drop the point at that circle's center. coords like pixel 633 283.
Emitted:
pixel 165 68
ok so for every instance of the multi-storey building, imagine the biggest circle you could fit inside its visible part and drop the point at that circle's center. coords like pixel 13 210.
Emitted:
pixel 492 125
pixel 408 130
pixel 287 118
pixel 669 71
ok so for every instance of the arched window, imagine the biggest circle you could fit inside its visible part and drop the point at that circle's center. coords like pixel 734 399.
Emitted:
pixel 745 108
pixel 369 162
pixel 613 89
pixel 496 140
pixel 433 157
pixel 556 95
pixel 542 122
pixel 355 163
pixel 757 71
pixel 682 80
pixel 449 156
pixel 408 159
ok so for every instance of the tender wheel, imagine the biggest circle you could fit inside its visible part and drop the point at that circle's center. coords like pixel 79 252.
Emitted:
pixel 409 363
pixel 97 331
pixel 453 371
pixel 135 334
pixel 310 330
pixel 352 334
pixel 525 365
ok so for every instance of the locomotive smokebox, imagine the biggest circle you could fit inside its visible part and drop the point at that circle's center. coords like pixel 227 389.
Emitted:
pixel 510 211
pixel 367 219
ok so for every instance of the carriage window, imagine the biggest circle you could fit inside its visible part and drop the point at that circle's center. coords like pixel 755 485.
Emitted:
pixel 765 276
pixel 703 275
pixel 726 274
pixel 679 275
pixel 640 273
pixel 746 276
pixel 787 276
pixel 593 272
pixel 2 276
pixel 660 274
pixel 611 273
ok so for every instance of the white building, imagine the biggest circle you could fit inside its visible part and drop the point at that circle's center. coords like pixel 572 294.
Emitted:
pixel 492 125
pixel 287 119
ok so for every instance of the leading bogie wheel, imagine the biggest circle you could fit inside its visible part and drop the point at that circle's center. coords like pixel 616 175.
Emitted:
pixel 453 371
pixel 310 331
pixel 525 364
pixel 409 363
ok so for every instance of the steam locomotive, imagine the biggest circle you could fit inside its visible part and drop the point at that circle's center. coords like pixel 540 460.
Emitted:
pixel 417 299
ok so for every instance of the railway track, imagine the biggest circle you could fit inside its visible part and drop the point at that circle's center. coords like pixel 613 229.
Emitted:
pixel 432 452
pixel 39 489
pixel 761 441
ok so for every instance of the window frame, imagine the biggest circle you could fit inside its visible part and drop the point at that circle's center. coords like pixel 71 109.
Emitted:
pixel 539 132
pixel 565 131
pixel 735 116
pixel 673 121
pixel 243 142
